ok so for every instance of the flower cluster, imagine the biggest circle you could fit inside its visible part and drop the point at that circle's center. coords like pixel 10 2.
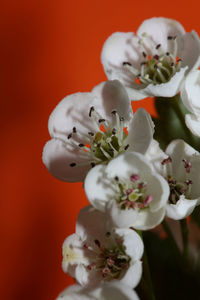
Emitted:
pixel 130 182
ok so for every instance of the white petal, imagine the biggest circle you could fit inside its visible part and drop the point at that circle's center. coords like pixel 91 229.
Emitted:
pixel 119 48
pixel 158 187
pixel 155 155
pixel 73 255
pixel 98 188
pixel 117 291
pixel 179 150
pixel 106 291
pixel 127 164
pixel 74 292
pixel 72 111
pixel 160 28
pixel 193 123
pixel 111 95
pixel 190 50
pixel 132 242
pixel 91 224
pixel 57 157
pixel 182 209
pixel 133 275
pixel 168 89
pixel 141 220
pixel 191 92
pixel 140 131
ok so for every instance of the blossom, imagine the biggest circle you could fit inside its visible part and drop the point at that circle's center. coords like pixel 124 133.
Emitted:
pixel 106 291
pixel 97 253
pixel 191 98
pixel 180 166
pixel 129 190
pixel 155 61
pixel 88 129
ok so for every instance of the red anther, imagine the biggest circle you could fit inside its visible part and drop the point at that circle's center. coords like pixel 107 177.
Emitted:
pixel 134 177
pixel 166 160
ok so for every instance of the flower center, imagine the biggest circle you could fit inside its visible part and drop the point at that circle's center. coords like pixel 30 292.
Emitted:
pixel 132 193
pixel 177 188
pixel 104 143
pixel 158 66
pixel 110 261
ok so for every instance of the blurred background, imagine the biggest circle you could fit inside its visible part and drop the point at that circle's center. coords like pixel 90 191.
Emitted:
pixel 50 49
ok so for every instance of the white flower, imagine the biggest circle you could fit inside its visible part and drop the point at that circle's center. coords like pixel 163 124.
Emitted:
pixel 155 61
pixel 96 253
pixel 87 129
pixel 180 166
pixel 129 190
pixel 106 291
pixel 191 98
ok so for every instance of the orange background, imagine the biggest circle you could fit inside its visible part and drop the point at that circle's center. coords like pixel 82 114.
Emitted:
pixel 50 49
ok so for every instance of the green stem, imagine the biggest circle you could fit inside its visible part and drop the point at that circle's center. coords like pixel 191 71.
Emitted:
pixel 185 232
pixel 171 238
pixel 147 274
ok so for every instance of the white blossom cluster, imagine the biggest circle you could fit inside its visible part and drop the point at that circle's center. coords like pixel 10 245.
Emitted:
pixel 129 181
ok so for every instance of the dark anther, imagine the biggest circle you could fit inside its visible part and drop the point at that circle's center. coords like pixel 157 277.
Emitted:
pixel 69 136
pixel 114 131
pixel 73 164
pixel 108 234
pixel 179 60
pixel 143 63
pixel 126 63
pixel 99 145
pixel 155 67
pixel 121 119
pixel 113 112
pixel 91 133
pixel 126 147
pixel 172 64
pixel 158 46
pixel 97 243
pixel 91 110
pixel 167 53
pixel 92 164
pixel 116 178
pixel 101 120
pixel 144 54
pixel 81 145
pixel 74 129
pixel 170 37
pixel 156 57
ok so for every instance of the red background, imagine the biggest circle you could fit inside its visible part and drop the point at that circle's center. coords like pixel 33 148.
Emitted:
pixel 50 49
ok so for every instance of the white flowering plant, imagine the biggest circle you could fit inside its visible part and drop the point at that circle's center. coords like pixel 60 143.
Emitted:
pixel 141 174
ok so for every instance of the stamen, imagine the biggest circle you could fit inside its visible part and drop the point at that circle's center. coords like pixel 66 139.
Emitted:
pixel 69 136
pixel 158 46
pixel 97 243
pixel 73 164
pixel 144 54
pixel 126 63
pixel 101 120
pixel 74 129
pixel 134 177
pixel 91 111
pixel 126 147
pixel 187 165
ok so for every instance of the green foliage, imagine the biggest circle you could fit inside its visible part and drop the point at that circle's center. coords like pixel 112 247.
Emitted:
pixel 170 123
